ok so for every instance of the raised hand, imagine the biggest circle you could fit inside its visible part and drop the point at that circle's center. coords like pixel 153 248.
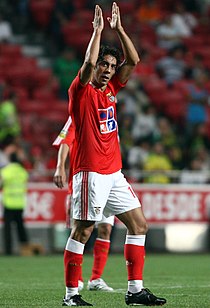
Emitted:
pixel 98 22
pixel 115 21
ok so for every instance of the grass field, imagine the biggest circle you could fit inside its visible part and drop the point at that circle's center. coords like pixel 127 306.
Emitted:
pixel 38 281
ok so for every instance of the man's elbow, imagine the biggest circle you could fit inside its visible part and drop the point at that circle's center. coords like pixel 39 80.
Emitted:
pixel 133 62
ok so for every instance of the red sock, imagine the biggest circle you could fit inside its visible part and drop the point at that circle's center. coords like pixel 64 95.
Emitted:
pixel 73 268
pixel 134 256
pixel 100 253
pixel 80 276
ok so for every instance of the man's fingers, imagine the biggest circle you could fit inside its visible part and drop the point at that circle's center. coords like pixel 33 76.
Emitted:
pixel 58 181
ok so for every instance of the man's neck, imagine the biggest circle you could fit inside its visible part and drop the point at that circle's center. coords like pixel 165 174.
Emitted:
pixel 97 86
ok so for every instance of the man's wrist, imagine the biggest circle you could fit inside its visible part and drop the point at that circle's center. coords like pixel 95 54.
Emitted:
pixel 60 167
pixel 120 30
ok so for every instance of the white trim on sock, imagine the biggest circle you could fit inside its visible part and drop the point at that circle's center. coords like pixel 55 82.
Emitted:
pixel 138 240
pixel 71 292
pixel 135 286
pixel 75 246
pixel 102 240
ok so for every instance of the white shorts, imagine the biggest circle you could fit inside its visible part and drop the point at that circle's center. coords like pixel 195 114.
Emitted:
pixel 95 195
pixel 69 219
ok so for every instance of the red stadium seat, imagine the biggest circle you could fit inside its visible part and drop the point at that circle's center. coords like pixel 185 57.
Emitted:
pixel 154 86
pixel 176 110
pixel 42 77
pixel 41 11
pixel 10 50
pixel 43 95
pixel 182 86
pixel 194 41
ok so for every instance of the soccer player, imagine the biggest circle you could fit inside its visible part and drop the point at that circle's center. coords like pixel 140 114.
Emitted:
pixel 102 243
pixel 99 186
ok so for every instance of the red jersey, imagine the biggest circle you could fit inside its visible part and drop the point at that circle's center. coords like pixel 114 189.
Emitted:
pixel 93 114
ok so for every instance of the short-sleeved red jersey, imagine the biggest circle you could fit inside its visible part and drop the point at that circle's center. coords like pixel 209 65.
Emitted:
pixel 93 115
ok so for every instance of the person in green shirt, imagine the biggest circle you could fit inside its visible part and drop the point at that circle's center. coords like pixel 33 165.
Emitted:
pixel 9 123
pixel 66 67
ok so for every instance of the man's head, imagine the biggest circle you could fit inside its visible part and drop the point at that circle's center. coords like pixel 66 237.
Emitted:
pixel 106 66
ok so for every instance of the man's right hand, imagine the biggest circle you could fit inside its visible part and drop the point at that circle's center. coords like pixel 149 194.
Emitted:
pixel 98 22
pixel 59 177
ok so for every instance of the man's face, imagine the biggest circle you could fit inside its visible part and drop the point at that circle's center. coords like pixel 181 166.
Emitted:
pixel 104 70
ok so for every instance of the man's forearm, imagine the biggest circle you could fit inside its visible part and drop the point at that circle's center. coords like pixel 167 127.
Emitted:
pixel 130 53
pixel 62 155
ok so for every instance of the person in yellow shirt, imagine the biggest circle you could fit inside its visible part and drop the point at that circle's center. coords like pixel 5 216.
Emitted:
pixel 157 162
pixel 13 180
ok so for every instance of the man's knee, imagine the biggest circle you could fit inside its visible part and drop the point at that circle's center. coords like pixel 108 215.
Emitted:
pixel 135 221
pixel 104 231
pixel 82 230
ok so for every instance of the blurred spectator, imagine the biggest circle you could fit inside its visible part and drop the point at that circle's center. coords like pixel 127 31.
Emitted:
pixel 199 137
pixel 184 21
pixel 165 133
pixel 6 33
pixel 137 156
pixel 168 36
pixel 145 123
pixel 39 165
pixel 146 68
pixel 203 154
pixel 126 140
pixel 176 156
pixel 7 147
pixel 66 67
pixel 133 97
pixel 62 13
pixel 198 99
pixel 172 67
pixel 14 179
pixel 149 12
pixel 157 162
pixel 195 174
pixel 196 66
pixel 9 122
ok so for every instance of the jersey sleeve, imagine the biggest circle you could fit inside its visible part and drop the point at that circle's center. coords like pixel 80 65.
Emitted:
pixel 66 135
pixel 116 84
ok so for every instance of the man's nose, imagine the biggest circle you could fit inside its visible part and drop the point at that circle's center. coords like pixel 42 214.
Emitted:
pixel 108 69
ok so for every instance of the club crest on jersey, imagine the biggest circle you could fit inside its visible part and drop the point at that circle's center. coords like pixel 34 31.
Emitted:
pixel 63 134
pixel 108 123
pixel 111 97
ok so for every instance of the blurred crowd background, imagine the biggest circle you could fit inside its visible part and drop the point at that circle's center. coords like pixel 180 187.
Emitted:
pixel 164 111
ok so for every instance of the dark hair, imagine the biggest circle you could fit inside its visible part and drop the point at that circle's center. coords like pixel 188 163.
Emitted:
pixel 107 50
pixel 14 158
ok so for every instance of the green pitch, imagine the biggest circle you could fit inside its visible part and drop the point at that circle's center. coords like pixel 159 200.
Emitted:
pixel 38 281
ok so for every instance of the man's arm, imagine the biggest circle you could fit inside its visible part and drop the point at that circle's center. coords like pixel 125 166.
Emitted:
pixel 60 173
pixel 131 57
pixel 92 51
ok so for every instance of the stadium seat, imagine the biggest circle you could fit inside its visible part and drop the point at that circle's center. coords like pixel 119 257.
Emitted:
pixel 10 50
pixel 194 41
pixel 43 95
pixel 176 110
pixel 17 76
pixel 155 85
pixel 207 85
pixel 79 4
pixel 182 86
pixel 204 51
pixel 83 18
pixel 42 77
pixel 41 11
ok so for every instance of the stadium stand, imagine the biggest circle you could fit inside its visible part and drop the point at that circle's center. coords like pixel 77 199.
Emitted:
pixel 37 88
